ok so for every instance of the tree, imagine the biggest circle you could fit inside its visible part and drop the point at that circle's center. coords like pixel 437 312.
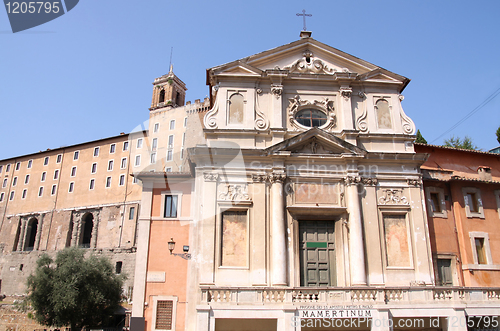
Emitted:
pixel 420 139
pixel 75 291
pixel 457 142
pixel 498 134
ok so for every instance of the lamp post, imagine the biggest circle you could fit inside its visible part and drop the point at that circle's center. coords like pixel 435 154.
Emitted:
pixel 185 255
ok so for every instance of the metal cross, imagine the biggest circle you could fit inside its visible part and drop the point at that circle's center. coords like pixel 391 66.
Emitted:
pixel 304 15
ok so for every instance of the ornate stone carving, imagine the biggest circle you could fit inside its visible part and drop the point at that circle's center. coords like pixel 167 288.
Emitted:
pixel 346 92
pixel 369 181
pixel 309 64
pixel 401 97
pixel 210 177
pixel 414 182
pixel 259 178
pixel 326 105
pixel 234 192
pixel 259 91
pixel 352 180
pixel 408 125
pixel 215 89
pixel 362 95
pixel 393 197
pixel 277 177
pixel 261 122
pixel 361 123
pixel 209 120
pixel 277 90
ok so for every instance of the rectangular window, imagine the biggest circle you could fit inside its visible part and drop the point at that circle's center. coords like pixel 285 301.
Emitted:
pixel 40 191
pixel 137 160
pixel 139 143
pixel 122 180
pixel 473 202
pixel 73 172
pixel 169 169
pixel 27 179
pixel 444 272
pixel 108 181
pixel 8 167
pixel 164 312
pixel 92 184
pixel 1 168
pixel 169 155
pixel 59 158
pixel 25 191
pixel 123 163
pixel 96 151
pixel 56 174
pixel 481 256
pixel 30 164
pixel 170 206
pixel 71 187
pixel 172 124
pixel 435 203
pixel 118 267
pixel 125 146
pixel 53 189
pixel 1 196
pixel 396 240
pixel 153 158
pixel 93 170
pixel 131 213
pixel 76 155
pixel 44 175
pixel 18 166
pixel 171 141
pixel 46 161
pixel 112 148
pixel 4 184
pixel 134 181
pixel 183 138
pixel 234 252
pixel 11 195
pixel 156 127
pixel 182 153
pixel 110 165
pixel 14 181
pixel 154 144
pixel 185 121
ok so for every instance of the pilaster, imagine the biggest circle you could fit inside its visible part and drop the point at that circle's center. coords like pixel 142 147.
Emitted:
pixel 207 229
pixel 278 230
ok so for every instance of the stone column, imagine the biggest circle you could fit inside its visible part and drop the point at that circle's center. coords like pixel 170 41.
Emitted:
pixel 278 230
pixel 95 229
pixel 22 235
pixel 356 247
pixel 38 235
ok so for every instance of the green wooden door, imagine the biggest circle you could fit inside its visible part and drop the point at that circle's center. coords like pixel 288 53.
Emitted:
pixel 317 253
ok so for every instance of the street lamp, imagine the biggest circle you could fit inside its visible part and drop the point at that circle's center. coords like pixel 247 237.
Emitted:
pixel 185 255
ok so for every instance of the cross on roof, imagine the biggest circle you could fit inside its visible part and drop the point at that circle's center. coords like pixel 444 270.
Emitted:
pixel 304 15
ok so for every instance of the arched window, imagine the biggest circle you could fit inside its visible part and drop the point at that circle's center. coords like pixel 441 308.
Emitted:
pixel 87 227
pixel 236 102
pixel 31 234
pixel 70 234
pixel 162 96
pixel 383 114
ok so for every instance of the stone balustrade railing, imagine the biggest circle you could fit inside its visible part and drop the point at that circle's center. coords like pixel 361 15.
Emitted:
pixel 351 295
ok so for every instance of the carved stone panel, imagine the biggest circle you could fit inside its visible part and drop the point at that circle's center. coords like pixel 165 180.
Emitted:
pixel 317 193
pixel 233 192
pixel 393 197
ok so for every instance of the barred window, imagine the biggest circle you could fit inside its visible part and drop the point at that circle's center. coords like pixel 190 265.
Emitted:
pixel 164 315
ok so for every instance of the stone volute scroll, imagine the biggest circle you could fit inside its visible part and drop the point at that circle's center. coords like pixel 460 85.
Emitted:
pixel 210 119
pixel 261 122
pixel 309 64
pixel 361 121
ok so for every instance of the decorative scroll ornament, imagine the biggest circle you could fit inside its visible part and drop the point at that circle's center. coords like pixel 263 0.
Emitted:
pixel 408 125
pixel 277 178
pixel 369 181
pixel 393 197
pixel 346 92
pixel 277 90
pixel 260 178
pixel 210 120
pixel 234 192
pixel 211 177
pixel 361 123
pixel 296 104
pixel 414 182
pixel 309 64
pixel 261 122
pixel 352 180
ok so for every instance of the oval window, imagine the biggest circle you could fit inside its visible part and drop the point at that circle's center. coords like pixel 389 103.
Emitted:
pixel 310 117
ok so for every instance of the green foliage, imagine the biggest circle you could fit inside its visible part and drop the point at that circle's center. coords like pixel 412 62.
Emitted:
pixel 75 291
pixel 420 139
pixel 457 142
pixel 498 134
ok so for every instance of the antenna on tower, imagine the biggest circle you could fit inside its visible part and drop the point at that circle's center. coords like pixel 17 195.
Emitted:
pixel 170 65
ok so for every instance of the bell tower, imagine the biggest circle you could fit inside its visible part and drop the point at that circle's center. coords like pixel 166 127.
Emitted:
pixel 168 91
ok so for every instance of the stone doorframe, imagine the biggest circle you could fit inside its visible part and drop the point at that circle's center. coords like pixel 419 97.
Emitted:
pixel 77 217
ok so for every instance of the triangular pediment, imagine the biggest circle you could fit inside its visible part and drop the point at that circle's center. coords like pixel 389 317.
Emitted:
pixel 381 74
pixel 241 69
pixel 315 142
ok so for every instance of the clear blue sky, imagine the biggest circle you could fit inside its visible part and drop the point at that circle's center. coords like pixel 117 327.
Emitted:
pixel 87 75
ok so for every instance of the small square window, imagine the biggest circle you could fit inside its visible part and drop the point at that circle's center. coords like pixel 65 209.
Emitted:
pixel 172 124
pixel 139 143
pixel 93 169
pixel 118 267
pixel 23 196
pixel 169 169
pixel 73 172
pixel 27 179
pixel 76 155
pixel 131 213
pixel 170 210
pixel 11 197
pixel 14 181
pixel 71 187
pixel 18 166
pixel 92 184
pixel 473 202
pixel 30 164
pixel 125 146
pixel 96 151
pixel 123 163
pixel 46 161
pixel 122 180
pixel 110 165
pixel 112 148
pixel 156 127
pixel 59 158
pixel 44 175
pixel 153 158
pixel 40 191
pixel 108 181
pixel 137 160
pixel 53 189
pixel 436 202
pixel 56 174
pixel 7 169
